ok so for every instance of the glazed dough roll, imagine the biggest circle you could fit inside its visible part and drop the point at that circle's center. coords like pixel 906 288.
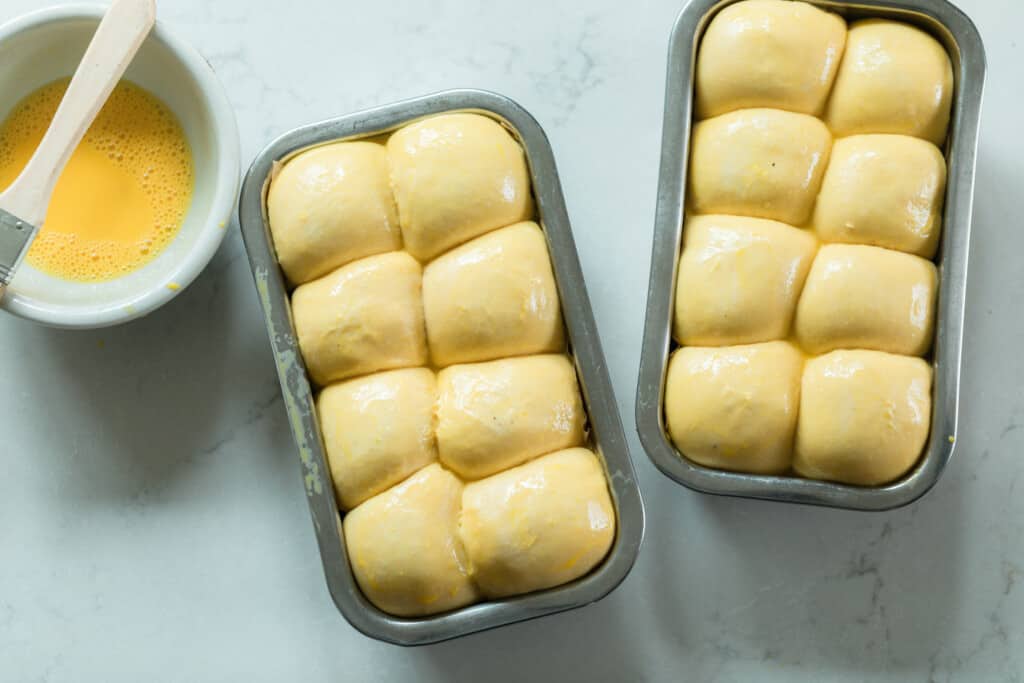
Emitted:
pixel 739 279
pixel 884 190
pixel 493 297
pixel 404 546
pixel 864 416
pixel 894 78
pixel 867 298
pixel 734 407
pixel 456 176
pixel 332 205
pixel 361 318
pixel 763 163
pixel 768 53
pixel 492 416
pixel 377 431
pixel 538 525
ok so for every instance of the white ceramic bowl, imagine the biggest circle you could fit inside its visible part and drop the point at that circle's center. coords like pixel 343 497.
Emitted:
pixel 43 46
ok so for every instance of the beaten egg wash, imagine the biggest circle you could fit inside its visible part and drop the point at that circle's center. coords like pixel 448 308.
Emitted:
pixel 123 195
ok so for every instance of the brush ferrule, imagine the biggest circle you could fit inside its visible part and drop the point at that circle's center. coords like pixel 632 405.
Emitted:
pixel 15 238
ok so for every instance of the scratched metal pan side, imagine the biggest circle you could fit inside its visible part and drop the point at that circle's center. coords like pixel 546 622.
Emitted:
pixel 606 427
pixel 963 43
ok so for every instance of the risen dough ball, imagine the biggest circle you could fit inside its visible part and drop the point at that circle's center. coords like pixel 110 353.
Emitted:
pixel 363 317
pixel 864 416
pixel 894 78
pixel 764 163
pixel 493 297
pixel 404 546
pixel 739 279
pixel 884 190
pixel 867 298
pixel 538 525
pixel 768 53
pixel 734 407
pixel 332 205
pixel 456 176
pixel 492 416
pixel 377 431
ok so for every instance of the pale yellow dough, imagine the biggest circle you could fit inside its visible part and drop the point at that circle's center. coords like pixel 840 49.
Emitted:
pixel 492 298
pixel 332 205
pixel 764 163
pixel 456 176
pixel 404 546
pixel 377 431
pixel 768 53
pixel 494 415
pixel 735 407
pixel 884 190
pixel 361 318
pixel 538 525
pixel 864 416
pixel 894 78
pixel 739 279
pixel 865 297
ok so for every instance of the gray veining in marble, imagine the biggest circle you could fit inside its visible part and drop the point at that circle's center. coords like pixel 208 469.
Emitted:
pixel 152 520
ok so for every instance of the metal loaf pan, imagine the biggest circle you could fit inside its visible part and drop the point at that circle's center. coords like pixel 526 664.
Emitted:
pixel 963 43
pixel 607 435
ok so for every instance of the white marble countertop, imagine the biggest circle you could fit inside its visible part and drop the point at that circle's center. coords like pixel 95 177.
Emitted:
pixel 153 525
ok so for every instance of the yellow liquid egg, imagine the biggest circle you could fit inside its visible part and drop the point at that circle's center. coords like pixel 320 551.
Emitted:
pixel 123 195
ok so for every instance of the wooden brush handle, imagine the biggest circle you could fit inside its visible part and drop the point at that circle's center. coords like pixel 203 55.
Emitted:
pixel 120 33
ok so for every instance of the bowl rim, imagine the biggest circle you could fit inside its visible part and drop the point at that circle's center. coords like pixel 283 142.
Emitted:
pixel 227 171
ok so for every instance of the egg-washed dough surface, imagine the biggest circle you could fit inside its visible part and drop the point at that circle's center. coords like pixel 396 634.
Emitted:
pixel 865 297
pixel 835 132
pixel 883 190
pixel 735 407
pixel 427 312
pixel 455 177
pixel 894 78
pixel 739 279
pixel 361 318
pixel 330 206
pixel 493 297
pixel 764 163
pixel 863 416
pixel 378 429
pixel 768 53
pixel 405 549
pixel 494 415
pixel 537 525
